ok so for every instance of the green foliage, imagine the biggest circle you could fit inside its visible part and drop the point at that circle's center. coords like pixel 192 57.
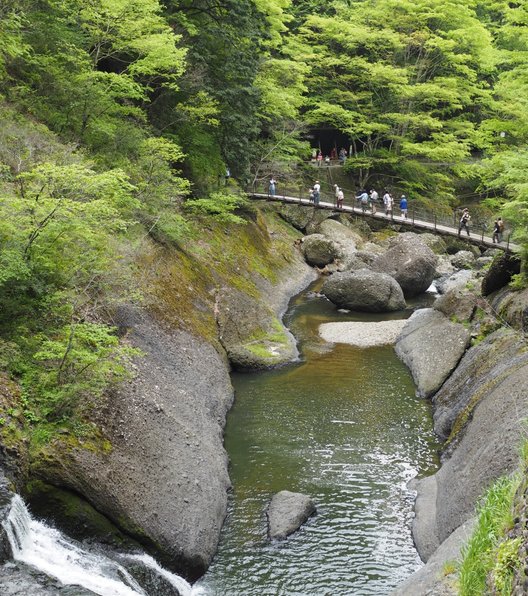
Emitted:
pixel 495 516
pixel 72 369
pixel 220 206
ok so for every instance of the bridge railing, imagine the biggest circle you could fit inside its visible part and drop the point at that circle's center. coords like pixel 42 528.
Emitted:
pixel 481 224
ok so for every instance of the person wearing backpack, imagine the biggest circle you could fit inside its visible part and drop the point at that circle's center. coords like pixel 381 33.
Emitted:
pixel 464 221
pixel 316 192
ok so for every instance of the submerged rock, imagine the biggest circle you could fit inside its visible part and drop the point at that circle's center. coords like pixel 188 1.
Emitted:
pixel 431 346
pixel 410 262
pixel 287 512
pixel 364 290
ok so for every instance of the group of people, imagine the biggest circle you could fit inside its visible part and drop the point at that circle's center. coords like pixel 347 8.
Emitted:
pixel 369 200
pixel 317 155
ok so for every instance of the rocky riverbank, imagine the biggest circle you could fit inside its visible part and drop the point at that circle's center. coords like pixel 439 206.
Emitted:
pixel 157 468
pixel 467 354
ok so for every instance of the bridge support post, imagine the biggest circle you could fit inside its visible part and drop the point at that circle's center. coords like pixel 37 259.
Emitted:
pixel 435 222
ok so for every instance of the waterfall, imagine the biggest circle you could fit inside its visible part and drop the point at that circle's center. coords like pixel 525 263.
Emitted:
pixel 50 552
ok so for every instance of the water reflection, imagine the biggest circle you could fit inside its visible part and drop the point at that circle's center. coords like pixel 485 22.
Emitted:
pixel 344 426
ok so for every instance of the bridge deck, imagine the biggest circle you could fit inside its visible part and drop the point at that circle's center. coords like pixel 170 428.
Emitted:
pixel 473 238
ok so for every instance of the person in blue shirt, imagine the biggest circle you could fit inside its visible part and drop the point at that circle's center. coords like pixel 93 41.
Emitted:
pixel 403 206
pixel 363 200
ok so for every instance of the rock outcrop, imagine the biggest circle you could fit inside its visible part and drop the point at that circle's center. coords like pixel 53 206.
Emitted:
pixel 162 477
pixel 500 273
pixel 431 346
pixel 287 512
pixel 364 290
pixel 410 262
pixel 492 382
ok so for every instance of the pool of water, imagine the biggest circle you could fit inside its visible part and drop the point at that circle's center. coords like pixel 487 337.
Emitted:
pixel 345 427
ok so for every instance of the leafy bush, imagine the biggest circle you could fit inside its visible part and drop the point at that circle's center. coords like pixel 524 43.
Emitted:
pixel 219 205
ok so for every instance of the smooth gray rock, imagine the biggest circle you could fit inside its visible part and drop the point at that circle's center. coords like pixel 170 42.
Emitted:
pixel 410 262
pixel 482 367
pixel 463 259
pixel 165 480
pixel 430 580
pixel 319 250
pixel 364 290
pixel 457 280
pixel 287 512
pixel 457 304
pixel 443 268
pixel 489 431
pixel 345 239
pixel 431 346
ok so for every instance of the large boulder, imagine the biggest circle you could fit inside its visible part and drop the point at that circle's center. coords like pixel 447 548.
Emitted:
pixel 458 305
pixel 319 250
pixel 252 343
pixel 286 513
pixel 410 261
pixel 431 346
pixel 457 280
pixel 435 242
pixel 500 273
pixel 364 290
pixel 512 306
pixel 345 239
pixel 492 380
pixel 161 472
pixel 463 259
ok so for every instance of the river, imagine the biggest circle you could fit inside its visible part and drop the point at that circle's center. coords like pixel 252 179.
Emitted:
pixel 344 426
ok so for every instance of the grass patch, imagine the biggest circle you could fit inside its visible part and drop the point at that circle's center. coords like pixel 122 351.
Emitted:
pixel 481 559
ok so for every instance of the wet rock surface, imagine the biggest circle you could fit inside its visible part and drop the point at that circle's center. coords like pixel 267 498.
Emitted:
pixel 286 513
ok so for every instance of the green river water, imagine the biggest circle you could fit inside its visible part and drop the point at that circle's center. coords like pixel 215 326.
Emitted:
pixel 344 426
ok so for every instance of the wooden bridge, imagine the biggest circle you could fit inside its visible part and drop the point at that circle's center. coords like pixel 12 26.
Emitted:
pixel 418 221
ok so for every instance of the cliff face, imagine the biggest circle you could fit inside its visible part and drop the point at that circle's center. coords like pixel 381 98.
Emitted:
pixel 159 471
pixel 481 410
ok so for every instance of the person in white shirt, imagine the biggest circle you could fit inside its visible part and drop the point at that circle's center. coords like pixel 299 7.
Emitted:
pixel 317 192
pixel 374 196
pixel 388 201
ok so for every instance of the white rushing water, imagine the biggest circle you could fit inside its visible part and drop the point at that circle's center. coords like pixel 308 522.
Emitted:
pixel 49 551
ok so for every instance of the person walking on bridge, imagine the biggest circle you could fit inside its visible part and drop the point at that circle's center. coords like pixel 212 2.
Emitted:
pixel 272 187
pixel 340 198
pixel 464 221
pixel 374 196
pixel 403 206
pixel 388 201
pixel 316 192
pixel 363 199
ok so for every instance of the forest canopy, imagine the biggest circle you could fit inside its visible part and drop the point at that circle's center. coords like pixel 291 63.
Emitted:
pixel 123 118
